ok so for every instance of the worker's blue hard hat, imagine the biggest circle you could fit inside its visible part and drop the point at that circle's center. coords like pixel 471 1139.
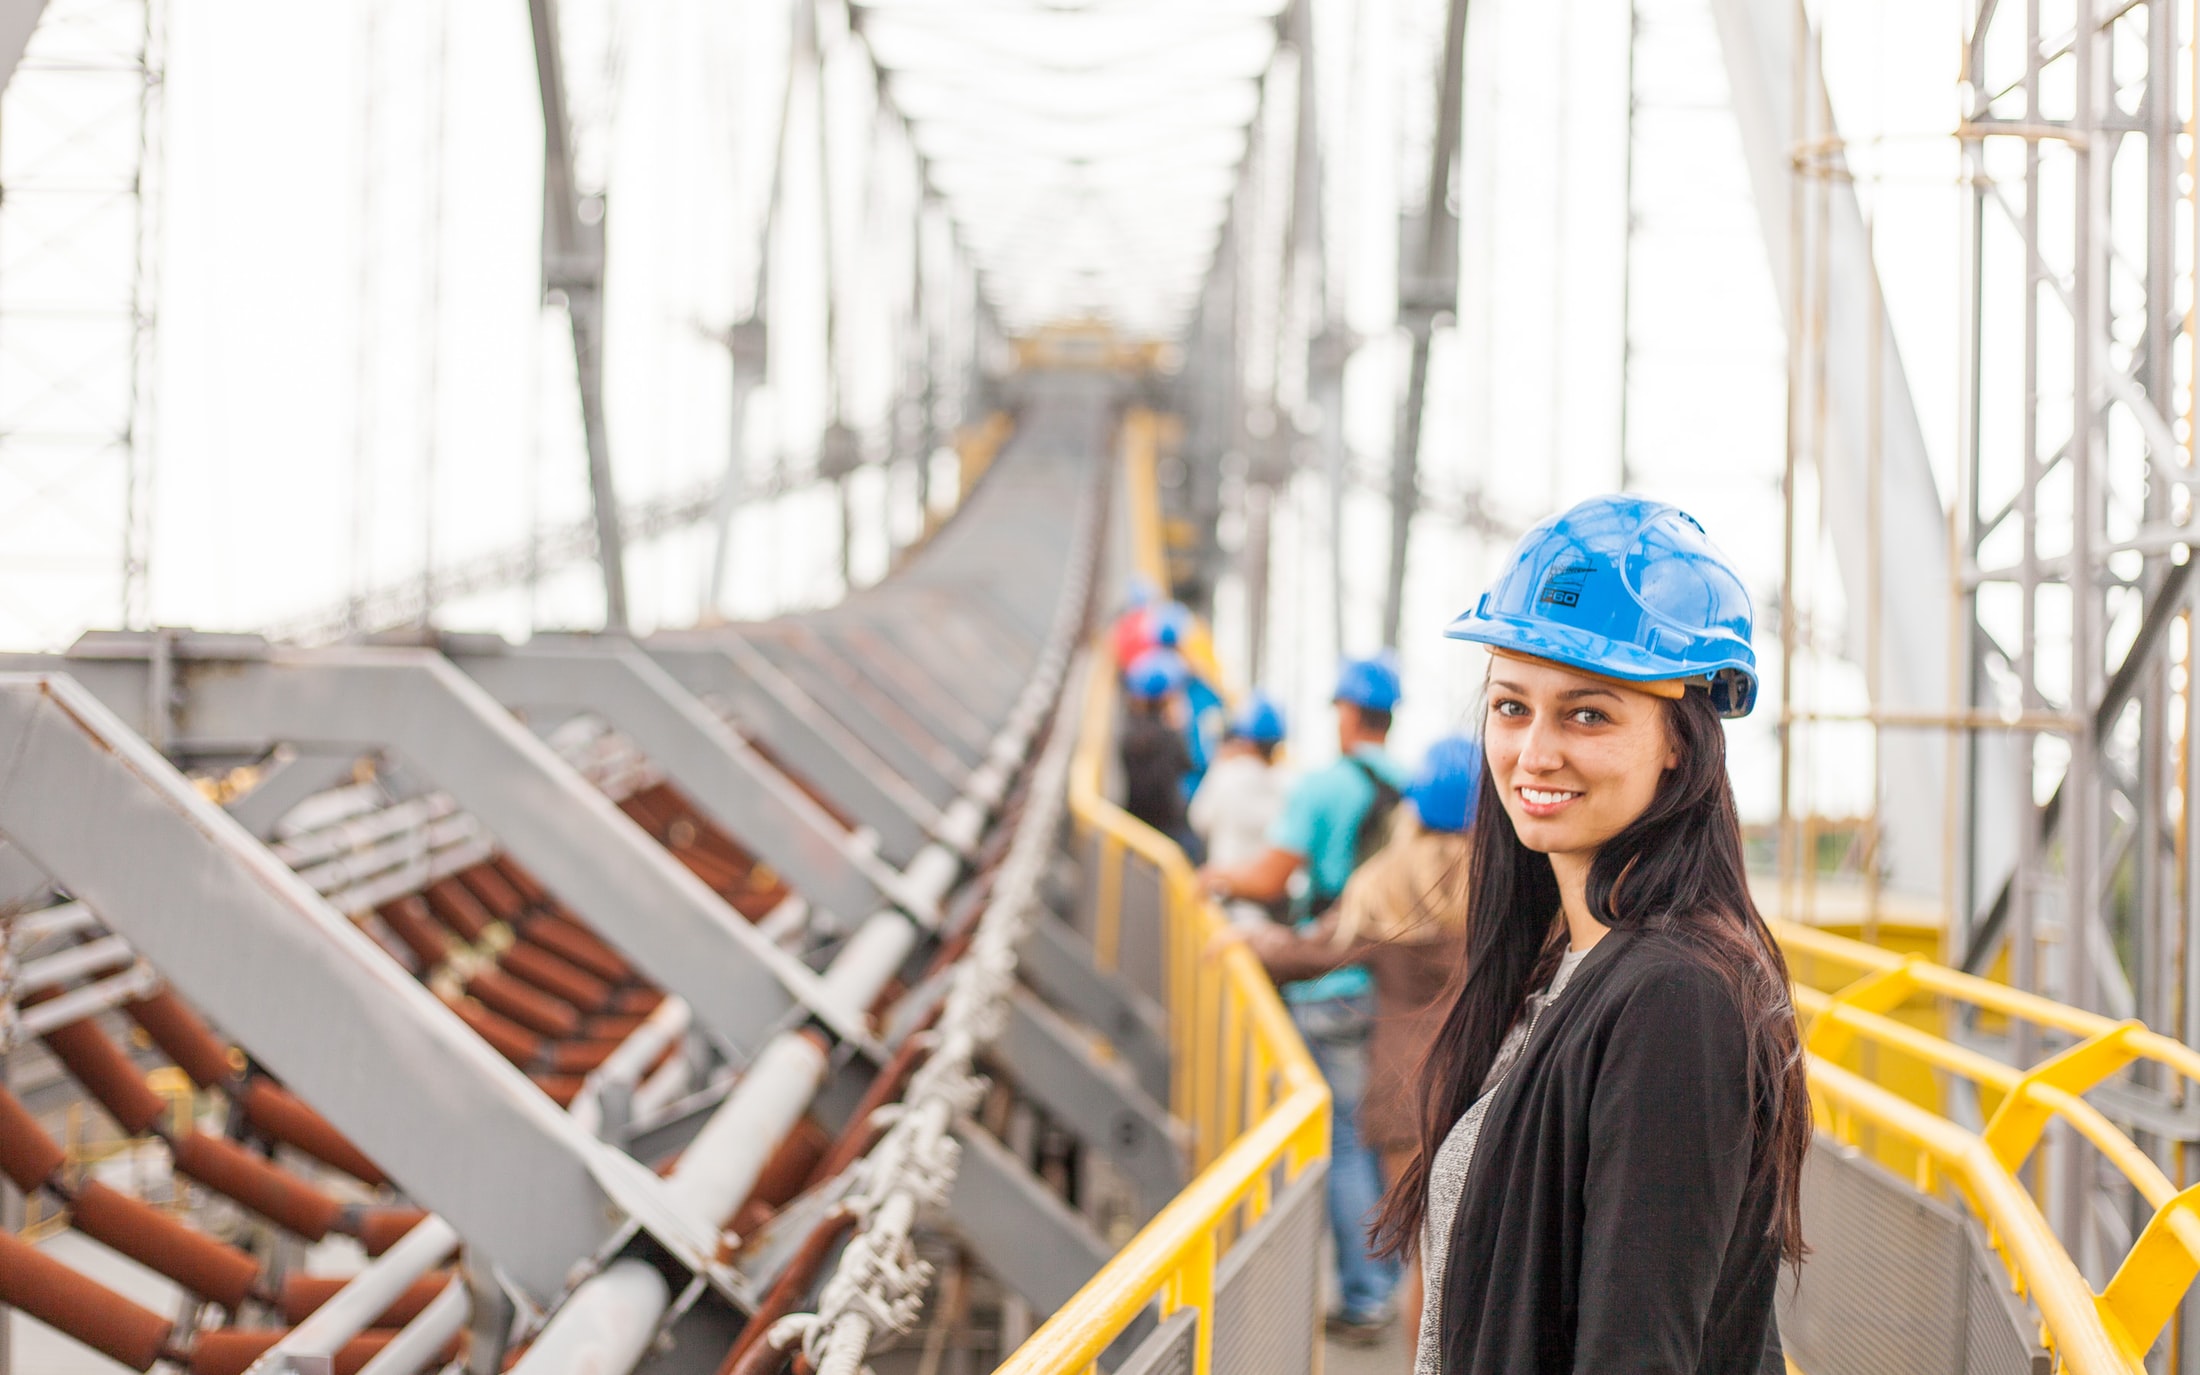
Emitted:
pixel 1260 720
pixel 1371 684
pixel 1172 624
pixel 1156 673
pixel 1445 789
pixel 1628 588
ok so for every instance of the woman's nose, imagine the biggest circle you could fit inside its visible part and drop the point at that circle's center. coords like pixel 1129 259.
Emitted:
pixel 1539 750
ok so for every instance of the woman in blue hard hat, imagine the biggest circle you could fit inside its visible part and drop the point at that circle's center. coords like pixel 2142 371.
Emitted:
pixel 1403 918
pixel 1615 1115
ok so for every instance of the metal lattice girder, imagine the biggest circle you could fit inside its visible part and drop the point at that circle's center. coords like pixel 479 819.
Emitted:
pixel 889 732
pixel 878 670
pixel 418 706
pixel 755 803
pixel 311 996
pixel 1759 43
pixel 1036 1244
pixel 765 705
pixel 1056 1066
pixel 963 653
pixel 1057 962
pixel 287 779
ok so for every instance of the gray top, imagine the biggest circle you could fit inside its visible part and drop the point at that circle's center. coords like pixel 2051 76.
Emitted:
pixel 1447 1175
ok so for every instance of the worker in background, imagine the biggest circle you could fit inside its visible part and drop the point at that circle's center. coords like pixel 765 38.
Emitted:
pixel 1241 797
pixel 1133 631
pixel 1332 820
pixel 1616 1113
pixel 1206 714
pixel 1403 917
pixel 1155 758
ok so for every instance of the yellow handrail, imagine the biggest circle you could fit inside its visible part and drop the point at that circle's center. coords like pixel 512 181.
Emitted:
pixel 1243 1083
pixel 2108 1331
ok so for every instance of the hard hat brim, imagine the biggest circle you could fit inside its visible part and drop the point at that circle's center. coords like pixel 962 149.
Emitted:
pixel 1596 654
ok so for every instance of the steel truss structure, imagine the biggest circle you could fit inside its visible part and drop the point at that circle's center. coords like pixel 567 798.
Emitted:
pixel 521 923
pixel 80 196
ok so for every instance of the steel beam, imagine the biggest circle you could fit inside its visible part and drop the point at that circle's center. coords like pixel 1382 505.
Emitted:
pixel 312 997
pixel 904 744
pixel 288 778
pixel 1914 621
pixel 1057 962
pixel 1030 1239
pixel 755 803
pixel 417 705
pixel 1055 1066
pixel 766 705
pixel 573 261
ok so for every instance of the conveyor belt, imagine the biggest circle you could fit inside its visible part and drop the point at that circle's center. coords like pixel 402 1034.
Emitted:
pixel 548 897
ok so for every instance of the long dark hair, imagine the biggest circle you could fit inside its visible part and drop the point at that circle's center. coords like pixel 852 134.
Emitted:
pixel 1676 869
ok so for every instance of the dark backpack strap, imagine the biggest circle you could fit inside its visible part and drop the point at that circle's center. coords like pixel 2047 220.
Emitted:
pixel 1386 800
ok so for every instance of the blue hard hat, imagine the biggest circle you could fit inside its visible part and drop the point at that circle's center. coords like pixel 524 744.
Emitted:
pixel 1260 720
pixel 1628 588
pixel 1156 673
pixel 1172 623
pixel 1450 780
pixel 1369 683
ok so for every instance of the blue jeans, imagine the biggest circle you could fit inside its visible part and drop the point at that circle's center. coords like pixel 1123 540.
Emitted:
pixel 1336 1032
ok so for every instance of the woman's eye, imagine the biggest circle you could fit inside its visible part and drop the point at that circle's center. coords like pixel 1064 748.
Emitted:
pixel 1590 716
pixel 1510 709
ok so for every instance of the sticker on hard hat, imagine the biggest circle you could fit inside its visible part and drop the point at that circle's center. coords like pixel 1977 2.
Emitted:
pixel 1563 586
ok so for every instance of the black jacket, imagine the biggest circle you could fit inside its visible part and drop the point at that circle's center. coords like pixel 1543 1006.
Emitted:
pixel 1155 763
pixel 1610 1224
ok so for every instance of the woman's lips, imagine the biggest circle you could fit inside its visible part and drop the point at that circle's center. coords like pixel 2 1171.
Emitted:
pixel 1545 801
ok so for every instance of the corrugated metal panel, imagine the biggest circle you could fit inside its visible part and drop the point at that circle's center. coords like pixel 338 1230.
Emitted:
pixel 2002 1334
pixel 1267 1289
pixel 1896 1281
pixel 1167 1350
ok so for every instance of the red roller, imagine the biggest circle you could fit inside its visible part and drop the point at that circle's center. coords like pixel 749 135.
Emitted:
pixel 616 1026
pixel 163 1244
pixel 96 1062
pixel 184 1038
pixel 410 921
pixel 637 1002
pixel 519 878
pixel 378 1229
pixel 530 1007
pixel 577 946
pixel 580 1057
pixel 303 1294
pixel 284 1116
pixel 27 1154
pixel 231 1351
pixel 458 909
pixel 496 892
pixel 717 875
pixel 95 1315
pixel 556 977
pixel 261 1185
pixel 507 1037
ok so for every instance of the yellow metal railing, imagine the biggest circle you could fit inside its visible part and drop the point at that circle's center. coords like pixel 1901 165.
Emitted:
pixel 2108 1331
pixel 1243 1084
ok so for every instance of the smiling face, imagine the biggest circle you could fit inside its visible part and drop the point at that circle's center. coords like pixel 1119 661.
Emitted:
pixel 1575 758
